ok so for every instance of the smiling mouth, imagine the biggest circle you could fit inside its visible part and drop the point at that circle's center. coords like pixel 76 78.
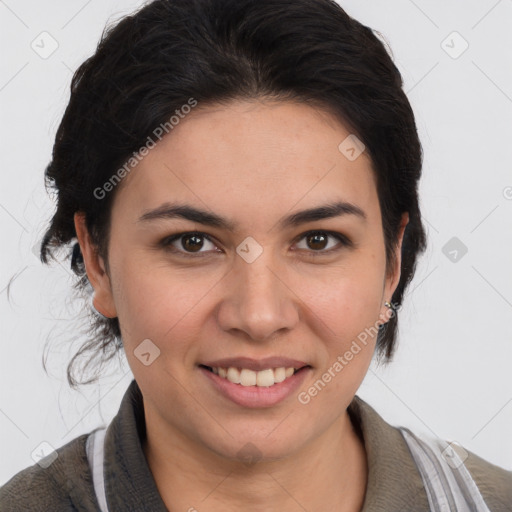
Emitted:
pixel 246 377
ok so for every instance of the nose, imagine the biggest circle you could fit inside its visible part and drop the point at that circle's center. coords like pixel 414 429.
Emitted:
pixel 258 301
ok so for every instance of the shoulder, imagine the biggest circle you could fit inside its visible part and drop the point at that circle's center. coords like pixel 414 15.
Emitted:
pixel 475 478
pixel 493 482
pixel 59 482
pixel 395 464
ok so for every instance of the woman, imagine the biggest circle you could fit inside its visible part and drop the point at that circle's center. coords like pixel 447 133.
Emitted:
pixel 238 182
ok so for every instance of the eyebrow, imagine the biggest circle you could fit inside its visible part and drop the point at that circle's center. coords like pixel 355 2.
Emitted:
pixel 188 212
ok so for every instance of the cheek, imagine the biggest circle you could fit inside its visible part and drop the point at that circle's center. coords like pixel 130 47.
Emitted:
pixel 346 300
pixel 346 314
pixel 159 303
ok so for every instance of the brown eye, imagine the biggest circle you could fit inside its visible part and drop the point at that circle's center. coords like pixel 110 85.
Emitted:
pixel 318 243
pixel 188 243
pixel 192 243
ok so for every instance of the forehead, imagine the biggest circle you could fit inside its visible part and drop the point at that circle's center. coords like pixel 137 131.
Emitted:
pixel 255 157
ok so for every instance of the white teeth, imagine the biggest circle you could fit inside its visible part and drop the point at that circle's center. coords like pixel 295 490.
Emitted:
pixel 279 374
pixel 233 375
pixel 246 377
pixel 265 378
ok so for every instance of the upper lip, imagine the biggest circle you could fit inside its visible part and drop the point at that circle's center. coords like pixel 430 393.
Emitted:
pixel 255 364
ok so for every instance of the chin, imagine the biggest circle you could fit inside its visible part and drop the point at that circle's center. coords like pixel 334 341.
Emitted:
pixel 264 445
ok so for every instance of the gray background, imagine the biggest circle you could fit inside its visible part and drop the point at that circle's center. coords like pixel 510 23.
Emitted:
pixel 451 377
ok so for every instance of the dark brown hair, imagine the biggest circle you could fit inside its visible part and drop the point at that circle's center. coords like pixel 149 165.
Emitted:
pixel 152 62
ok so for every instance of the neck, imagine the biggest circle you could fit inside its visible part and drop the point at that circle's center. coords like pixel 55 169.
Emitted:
pixel 329 473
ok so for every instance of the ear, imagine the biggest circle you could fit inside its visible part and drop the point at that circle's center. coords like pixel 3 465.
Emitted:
pixel 103 299
pixel 393 276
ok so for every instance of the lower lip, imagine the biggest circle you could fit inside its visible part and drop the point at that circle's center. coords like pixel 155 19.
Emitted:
pixel 257 396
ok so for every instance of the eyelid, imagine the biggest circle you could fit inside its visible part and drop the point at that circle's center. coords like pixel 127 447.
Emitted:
pixel 343 240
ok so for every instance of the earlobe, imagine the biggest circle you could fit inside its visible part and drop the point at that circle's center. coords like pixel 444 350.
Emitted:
pixel 103 300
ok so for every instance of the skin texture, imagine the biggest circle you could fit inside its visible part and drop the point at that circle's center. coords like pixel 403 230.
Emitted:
pixel 253 163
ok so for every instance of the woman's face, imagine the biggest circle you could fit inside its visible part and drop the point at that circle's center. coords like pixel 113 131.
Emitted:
pixel 254 285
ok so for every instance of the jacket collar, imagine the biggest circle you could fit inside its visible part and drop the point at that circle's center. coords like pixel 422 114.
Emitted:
pixel 128 479
pixel 394 482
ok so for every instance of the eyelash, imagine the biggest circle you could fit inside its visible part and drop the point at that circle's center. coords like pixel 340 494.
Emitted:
pixel 344 241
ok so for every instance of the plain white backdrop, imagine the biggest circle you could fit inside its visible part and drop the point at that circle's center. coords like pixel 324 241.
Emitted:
pixel 451 376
